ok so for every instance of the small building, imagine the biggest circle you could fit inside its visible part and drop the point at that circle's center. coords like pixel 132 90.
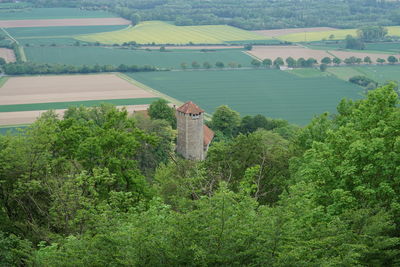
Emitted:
pixel 194 137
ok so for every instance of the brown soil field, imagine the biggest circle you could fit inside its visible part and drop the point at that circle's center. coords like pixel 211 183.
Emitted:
pixel 27 117
pixel 195 47
pixel 43 89
pixel 273 52
pixel 63 22
pixel 7 54
pixel 346 54
pixel 280 32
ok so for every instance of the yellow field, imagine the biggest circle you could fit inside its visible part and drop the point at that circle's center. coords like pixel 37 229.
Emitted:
pixel 163 33
pixel 338 35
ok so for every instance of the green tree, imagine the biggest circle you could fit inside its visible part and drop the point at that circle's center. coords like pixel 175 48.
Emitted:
pixel 291 62
pixel 195 65
pixel 278 62
pixel 367 60
pixel 2 61
pixel 336 60
pixel 255 63
pixel 159 110
pixel 267 63
pixel 225 120
pixel 326 60
pixel 207 65
pixel 372 33
pixel 323 67
pixel 219 65
pixel 392 59
pixel 380 60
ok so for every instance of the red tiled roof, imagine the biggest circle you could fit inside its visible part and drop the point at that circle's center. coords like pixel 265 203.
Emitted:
pixel 208 135
pixel 190 108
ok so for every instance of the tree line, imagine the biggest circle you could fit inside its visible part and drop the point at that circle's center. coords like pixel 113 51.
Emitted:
pixel 102 187
pixel 35 68
pixel 253 14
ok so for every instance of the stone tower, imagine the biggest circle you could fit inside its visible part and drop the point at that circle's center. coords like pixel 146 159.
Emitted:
pixel 190 142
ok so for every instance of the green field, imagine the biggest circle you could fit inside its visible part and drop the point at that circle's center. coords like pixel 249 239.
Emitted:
pixel 39 32
pixel 338 35
pixel 52 13
pixel 273 93
pixel 11 129
pixel 65 105
pixel 389 48
pixel 163 33
pixel 116 56
pixel 380 74
pixel 48 41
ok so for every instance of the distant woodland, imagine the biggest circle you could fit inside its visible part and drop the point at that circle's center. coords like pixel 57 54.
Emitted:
pixel 248 14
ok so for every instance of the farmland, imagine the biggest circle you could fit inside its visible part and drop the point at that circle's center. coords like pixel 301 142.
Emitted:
pixel 23 98
pixel 380 74
pixel 163 33
pixel 38 32
pixel 337 35
pixel 115 56
pixel 273 93
pixel 53 13
pixel 280 32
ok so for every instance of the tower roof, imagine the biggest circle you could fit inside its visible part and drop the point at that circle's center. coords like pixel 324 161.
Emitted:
pixel 190 108
pixel 208 135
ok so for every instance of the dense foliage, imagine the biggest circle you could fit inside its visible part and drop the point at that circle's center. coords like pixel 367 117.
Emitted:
pixel 34 68
pixel 102 188
pixel 249 14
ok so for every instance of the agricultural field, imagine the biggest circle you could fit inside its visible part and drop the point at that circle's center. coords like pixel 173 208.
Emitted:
pixel 63 22
pixel 7 54
pixel 337 35
pixel 53 13
pixel 69 31
pixel 273 93
pixel 377 73
pixel 163 33
pixel 22 99
pixel 280 32
pixel 389 47
pixel 116 56
pixel 296 52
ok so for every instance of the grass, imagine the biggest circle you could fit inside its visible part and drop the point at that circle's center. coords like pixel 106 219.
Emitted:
pixel 65 105
pixel 163 33
pixel 308 73
pixel 39 32
pixel 48 41
pixel 3 81
pixel 53 13
pixel 338 35
pixel 116 56
pixel 273 93
pixel 377 73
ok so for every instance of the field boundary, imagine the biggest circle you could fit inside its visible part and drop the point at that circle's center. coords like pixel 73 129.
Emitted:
pixel 157 93
pixel 3 80
pixel 149 89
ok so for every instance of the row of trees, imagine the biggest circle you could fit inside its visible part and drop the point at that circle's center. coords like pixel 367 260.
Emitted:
pixel 208 65
pixel 33 68
pixel 311 62
pixel 101 188
pixel 252 14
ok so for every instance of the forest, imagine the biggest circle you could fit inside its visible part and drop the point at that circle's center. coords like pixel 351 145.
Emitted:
pixel 99 187
pixel 248 14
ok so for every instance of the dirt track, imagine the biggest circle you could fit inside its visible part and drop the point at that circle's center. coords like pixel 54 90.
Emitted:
pixel 63 22
pixel 280 32
pixel 7 54
pixel 43 89
pixel 27 117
